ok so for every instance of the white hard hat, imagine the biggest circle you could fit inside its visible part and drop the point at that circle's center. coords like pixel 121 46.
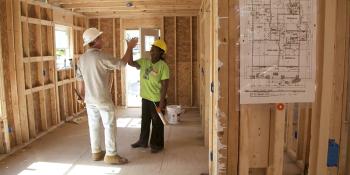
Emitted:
pixel 90 35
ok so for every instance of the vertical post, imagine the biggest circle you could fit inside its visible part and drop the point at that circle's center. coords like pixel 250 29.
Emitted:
pixel 12 69
pixel 244 141
pixel 322 109
pixel 175 62
pixel 191 50
pixel 277 141
pixel 20 69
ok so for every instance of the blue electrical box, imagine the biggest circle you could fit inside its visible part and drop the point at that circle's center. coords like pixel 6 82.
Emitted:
pixel 333 153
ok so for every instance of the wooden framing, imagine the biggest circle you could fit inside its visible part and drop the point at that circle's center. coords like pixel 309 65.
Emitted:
pixel 241 138
pixel 4 132
pixel 175 62
pixel 29 61
pixel 118 9
pixel 277 143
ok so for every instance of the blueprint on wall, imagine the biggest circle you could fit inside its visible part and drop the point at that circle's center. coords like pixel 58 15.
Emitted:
pixel 277 51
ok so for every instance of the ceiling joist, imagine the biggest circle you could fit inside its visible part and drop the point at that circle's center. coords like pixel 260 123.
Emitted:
pixel 130 8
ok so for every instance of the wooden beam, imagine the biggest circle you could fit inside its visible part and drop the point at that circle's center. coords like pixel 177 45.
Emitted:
pixel 28 79
pixel 220 80
pixel 121 1
pixel 342 74
pixel 122 70
pixel 175 62
pixel 12 69
pixel 6 136
pixel 115 71
pixel 233 119
pixel 277 144
pixel 303 134
pixel 20 70
pixel 43 114
pixel 136 5
pixel 31 116
pixel 322 107
pixel 3 114
pixel 136 14
pixel 162 29
pixel 191 69
pixel 244 141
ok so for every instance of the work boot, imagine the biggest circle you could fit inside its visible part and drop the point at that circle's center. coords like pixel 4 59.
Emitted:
pixel 156 150
pixel 98 156
pixel 115 160
pixel 139 144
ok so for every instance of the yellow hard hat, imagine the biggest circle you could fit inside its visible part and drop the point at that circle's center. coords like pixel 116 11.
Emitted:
pixel 161 44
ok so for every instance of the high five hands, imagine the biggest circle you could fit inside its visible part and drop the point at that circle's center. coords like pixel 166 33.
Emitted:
pixel 132 42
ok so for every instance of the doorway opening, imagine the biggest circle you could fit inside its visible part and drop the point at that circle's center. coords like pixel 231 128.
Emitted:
pixel 132 79
pixel 146 38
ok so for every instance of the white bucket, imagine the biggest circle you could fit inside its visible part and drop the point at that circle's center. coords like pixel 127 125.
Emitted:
pixel 173 112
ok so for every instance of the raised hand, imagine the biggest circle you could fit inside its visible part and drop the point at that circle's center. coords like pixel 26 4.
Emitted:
pixel 132 42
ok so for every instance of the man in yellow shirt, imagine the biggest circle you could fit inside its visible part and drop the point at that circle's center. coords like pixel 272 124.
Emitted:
pixel 154 77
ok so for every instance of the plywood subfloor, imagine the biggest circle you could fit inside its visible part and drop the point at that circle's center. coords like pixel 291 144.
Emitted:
pixel 66 151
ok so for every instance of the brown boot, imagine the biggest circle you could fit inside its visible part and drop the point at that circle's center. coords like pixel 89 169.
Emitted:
pixel 116 160
pixel 98 156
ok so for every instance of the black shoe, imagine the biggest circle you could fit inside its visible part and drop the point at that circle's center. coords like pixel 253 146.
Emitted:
pixel 138 144
pixel 156 150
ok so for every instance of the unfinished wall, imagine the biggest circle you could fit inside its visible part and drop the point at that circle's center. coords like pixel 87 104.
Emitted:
pixel 180 34
pixel 38 98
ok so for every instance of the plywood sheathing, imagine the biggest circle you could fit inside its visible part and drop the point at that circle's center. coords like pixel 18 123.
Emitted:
pixel 180 34
pixel 183 61
pixel 169 37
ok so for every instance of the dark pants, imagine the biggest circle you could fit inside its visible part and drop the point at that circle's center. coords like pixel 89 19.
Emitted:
pixel 149 114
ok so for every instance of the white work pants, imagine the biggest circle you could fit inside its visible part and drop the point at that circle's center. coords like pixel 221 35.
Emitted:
pixel 107 114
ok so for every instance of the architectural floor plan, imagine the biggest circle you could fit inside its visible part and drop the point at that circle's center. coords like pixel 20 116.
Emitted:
pixel 277 58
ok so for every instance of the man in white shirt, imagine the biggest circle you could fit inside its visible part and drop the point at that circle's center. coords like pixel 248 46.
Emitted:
pixel 92 75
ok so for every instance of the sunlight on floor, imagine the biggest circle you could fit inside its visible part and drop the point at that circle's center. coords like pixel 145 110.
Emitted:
pixel 45 168
pixel 39 168
pixel 93 170
pixel 129 122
